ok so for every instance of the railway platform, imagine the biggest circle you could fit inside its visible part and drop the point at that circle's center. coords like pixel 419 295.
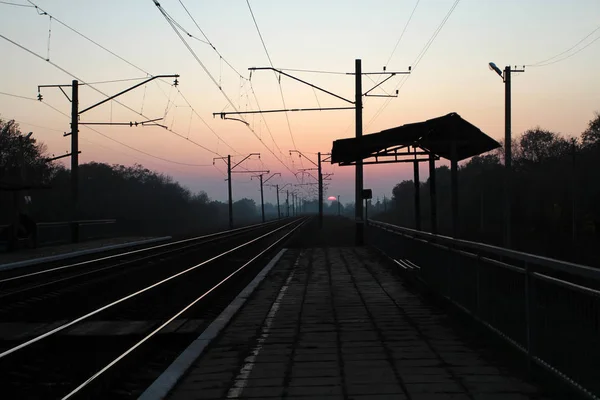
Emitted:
pixel 340 322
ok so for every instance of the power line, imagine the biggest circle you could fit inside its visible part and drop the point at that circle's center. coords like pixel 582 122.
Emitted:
pixel 313 71
pixel 118 80
pixel 402 34
pixel 417 60
pixel 17 96
pixel 15 4
pixel 106 136
pixel 102 93
pixel 223 59
pixel 548 61
pixel 210 43
pixel 287 118
pixel 217 85
pixel 119 57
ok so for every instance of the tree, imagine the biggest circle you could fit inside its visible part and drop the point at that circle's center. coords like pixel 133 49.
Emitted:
pixel 591 136
pixel 537 145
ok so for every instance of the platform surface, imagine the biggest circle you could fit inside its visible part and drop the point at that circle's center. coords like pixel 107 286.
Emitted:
pixel 339 323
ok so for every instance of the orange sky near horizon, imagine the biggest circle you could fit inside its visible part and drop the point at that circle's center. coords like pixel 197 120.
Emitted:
pixel 452 76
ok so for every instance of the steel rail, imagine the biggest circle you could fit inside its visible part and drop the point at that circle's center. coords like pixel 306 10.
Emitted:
pixel 127 253
pixel 168 321
pixel 205 241
pixel 134 294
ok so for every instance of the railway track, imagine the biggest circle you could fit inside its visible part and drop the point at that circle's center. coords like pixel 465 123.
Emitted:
pixel 106 329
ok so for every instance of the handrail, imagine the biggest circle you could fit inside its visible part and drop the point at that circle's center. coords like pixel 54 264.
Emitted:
pixel 553 320
pixel 556 265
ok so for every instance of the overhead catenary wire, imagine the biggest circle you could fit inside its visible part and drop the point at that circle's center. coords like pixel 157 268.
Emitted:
pixel 222 59
pixel 402 34
pixel 10 3
pixel 417 60
pixel 287 118
pixel 554 59
pixel 102 93
pixel 77 32
pixel 195 56
pixel 108 137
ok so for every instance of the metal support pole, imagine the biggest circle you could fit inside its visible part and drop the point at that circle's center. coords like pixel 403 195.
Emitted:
pixel 278 209
pixel 287 201
pixel 75 161
pixel 507 160
pixel 454 186
pixel 573 195
pixel 358 212
pixel 432 194
pixel 320 191
pixel 262 199
pixel 417 183
pixel 229 190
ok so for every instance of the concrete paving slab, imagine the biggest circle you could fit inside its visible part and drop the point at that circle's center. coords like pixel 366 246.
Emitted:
pixel 336 323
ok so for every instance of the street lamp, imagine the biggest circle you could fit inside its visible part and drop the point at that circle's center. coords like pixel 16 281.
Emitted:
pixel 507 147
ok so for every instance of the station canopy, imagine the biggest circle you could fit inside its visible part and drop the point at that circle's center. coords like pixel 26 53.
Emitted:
pixel 435 136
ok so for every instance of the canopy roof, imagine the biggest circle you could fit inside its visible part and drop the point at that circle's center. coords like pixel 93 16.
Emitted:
pixel 434 135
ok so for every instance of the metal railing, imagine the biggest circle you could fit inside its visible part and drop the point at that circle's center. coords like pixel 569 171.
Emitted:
pixel 548 309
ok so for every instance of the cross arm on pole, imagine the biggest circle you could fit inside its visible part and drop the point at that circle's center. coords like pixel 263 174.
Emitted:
pixel 245 158
pixel 300 154
pixel 258 174
pixel 130 123
pixel 301 81
pixel 130 89
pixel 275 174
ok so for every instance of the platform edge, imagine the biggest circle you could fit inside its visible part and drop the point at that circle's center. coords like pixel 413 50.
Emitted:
pixel 161 387
pixel 73 254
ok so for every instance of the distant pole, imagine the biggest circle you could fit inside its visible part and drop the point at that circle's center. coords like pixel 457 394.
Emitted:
pixel 454 189
pixel 320 191
pixel 507 160
pixel 278 209
pixel 432 194
pixel 75 161
pixel 229 189
pixel 262 199
pixel 573 193
pixel 358 212
pixel 339 208
pixel 417 195
pixel 287 201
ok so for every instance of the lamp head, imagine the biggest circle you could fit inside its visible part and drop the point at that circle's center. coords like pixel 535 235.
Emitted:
pixel 493 67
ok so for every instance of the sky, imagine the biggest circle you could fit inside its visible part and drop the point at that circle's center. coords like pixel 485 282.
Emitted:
pixel 133 39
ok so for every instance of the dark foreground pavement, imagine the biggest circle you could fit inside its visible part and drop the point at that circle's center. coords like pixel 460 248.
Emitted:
pixel 338 323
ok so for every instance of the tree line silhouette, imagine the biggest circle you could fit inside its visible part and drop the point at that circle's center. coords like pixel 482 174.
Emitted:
pixel 555 203
pixel 142 201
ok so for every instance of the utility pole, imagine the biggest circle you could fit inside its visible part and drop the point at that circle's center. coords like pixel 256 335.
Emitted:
pixel 230 202
pixel 507 159
pixel 287 202
pixel 278 209
pixel 319 178
pixel 356 105
pixel 320 172
pixel 75 161
pixel 506 76
pixel 508 155
pixel 230 170
pixel 75 113
pixel 262 199
pixel 358 212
